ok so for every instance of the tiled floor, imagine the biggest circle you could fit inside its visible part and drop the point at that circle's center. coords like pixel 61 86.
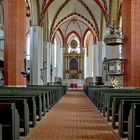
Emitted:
pixel 73 118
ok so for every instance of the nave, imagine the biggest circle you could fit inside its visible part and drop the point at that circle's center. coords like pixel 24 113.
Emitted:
pixel 74 117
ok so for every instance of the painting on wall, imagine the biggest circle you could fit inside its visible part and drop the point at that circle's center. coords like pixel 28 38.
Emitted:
pixel 73 64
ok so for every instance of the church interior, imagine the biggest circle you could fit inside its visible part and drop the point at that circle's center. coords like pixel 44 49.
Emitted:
pixel 69 69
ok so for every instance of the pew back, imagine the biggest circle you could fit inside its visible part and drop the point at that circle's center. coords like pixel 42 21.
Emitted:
pixel 0 132
pixel 23 111
pixel 115 107
pixel 124 110
pixel 9 119
pixel 134 122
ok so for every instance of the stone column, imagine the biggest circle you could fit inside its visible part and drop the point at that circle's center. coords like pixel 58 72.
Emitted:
pixel 48 62
pixel 131 30
pixel 14 42
pixel 100 55
pixel 45 62
pixel 85 61
pixel 52 62
pixel 96 60
pixel 36 58
pixel 59 61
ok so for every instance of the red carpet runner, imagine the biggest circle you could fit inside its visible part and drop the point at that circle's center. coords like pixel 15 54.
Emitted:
pixel 73 118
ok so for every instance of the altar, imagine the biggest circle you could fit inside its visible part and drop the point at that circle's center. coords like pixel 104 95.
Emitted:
pixel 74 83
pixel 73 61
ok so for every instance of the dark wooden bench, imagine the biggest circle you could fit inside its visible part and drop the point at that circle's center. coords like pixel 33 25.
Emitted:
pixel 0 132
pixel 134 122
pixel 124 110
pixel 94 93
pixel 9 119
pixel 110 99
pixel 23 111
pixel 48 96
pixel 55 93
pixel 115 107
pixel 31 105
pixel 104 100
pixel 99 96
pixel 41 95
pixel 24 92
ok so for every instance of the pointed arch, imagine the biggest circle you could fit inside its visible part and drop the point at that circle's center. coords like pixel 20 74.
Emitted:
pixel 73 32
pixel 46 6
pixel 83 4
pixel 75 14
pixel 85 33
pixel 77 25
pixel 62 37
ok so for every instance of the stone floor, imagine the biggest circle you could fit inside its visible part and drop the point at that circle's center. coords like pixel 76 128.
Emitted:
pixel 73 118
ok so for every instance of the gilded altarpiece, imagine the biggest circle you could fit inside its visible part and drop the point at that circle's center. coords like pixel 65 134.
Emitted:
pixel 73 62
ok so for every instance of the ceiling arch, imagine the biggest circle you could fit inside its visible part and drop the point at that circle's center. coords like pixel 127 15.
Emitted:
pixel 85 21
pixel 59 40
pixel 75 33
pixel 63 6
pixel 85 34
pixel 59 34
pixel 102 5
pixel 81 36
pixel 90 12
pixel 57 14
pixel 105 5
pixel 103 10
pixel 87 40
pixel 73 21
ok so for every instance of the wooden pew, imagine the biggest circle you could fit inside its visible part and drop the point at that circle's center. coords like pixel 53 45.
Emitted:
pixel 0 132
pixel 40 94
pixel 115 107
pixel 24 92
pixel 105 97
pixel 32 109
pixel 9 120
pixel 44 97
pixel 94 93
pixel 55 92
pixel 134 122
pixel 110 99
pixel 23 111
pixel 48 93
pixel 124 110
pixel 31 105
pixel 99 96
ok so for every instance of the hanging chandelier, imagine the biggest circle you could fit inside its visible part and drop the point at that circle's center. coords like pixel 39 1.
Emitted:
pixel 113 36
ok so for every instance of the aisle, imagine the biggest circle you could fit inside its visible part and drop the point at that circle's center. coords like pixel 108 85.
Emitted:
pixel 73 118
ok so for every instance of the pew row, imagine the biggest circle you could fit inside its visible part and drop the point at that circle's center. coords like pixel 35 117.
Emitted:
pixel 0 132
pixel 9 119
pixel 134 122
pixel 23 111
pixel 124 110
pixel 38 100
pixel 115 104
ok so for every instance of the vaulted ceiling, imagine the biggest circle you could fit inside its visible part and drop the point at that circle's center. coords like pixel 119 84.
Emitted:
pixel 62 18
pixel 75 16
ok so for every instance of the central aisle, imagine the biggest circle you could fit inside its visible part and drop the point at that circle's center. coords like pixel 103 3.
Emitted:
pixel 73 118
